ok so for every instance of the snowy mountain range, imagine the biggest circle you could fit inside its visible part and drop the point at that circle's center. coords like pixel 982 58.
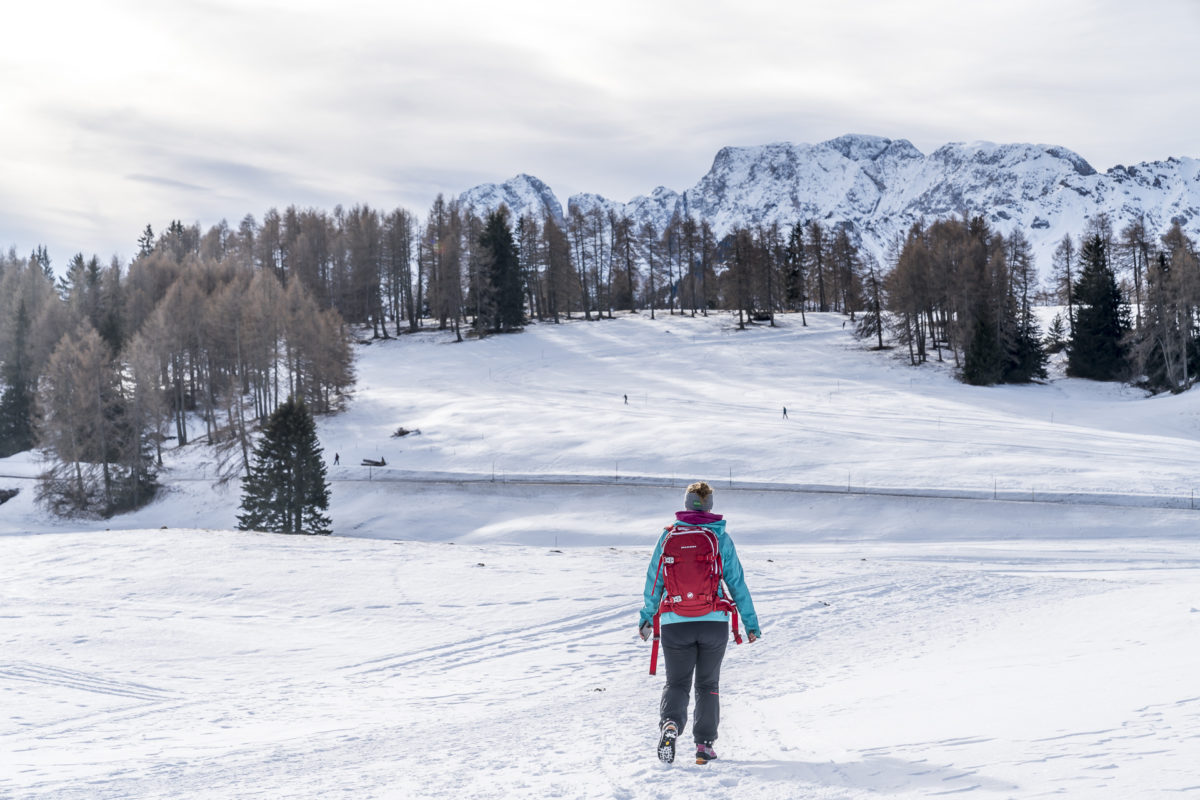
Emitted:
pixel 879 187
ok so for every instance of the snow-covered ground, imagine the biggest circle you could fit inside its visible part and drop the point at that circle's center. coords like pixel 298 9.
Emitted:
pixel 184 664
pixel 979 591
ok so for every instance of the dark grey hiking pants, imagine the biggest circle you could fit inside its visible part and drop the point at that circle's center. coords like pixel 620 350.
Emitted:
pixel 694 649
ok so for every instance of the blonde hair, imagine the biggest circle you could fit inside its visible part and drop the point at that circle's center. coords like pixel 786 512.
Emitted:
pixel 701 489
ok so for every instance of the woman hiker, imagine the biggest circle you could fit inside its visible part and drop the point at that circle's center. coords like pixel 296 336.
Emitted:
pixel 693 638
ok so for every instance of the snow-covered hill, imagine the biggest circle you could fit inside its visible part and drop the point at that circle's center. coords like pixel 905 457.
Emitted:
pixel 203 664
pixel 470 631
pixel 526 417
pixel 880 187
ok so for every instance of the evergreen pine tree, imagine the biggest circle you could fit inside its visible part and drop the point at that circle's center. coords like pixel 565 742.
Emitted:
pixel 1027 360
pixel 1056 336
pixel 983 364
pixel 16 403
pixel 503 285
pixel 41 259
pixel 146 242
pixel 286 491
pixel 1097 348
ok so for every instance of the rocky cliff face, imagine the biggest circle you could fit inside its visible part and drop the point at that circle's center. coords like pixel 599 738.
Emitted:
pixel 879 187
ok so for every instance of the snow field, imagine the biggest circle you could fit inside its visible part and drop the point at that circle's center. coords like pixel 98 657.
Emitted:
pixel 705 401
pixel 440 647
pixel 213 665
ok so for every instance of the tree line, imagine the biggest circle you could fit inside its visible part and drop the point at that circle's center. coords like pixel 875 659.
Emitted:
pixel 461 271
pixel 957 287
pixel 959 290
pixel 105 365
pixel 683 267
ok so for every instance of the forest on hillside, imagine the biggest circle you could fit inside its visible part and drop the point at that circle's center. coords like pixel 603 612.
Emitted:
pixel 104 363
pixel 103 367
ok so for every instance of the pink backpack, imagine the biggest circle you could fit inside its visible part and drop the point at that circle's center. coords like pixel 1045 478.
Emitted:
pixel 691 573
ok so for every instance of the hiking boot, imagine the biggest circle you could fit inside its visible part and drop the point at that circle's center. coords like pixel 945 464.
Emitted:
pixel 666 741
pixel 705 753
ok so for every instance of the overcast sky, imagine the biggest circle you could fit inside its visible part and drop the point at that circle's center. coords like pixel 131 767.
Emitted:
pixel 120 113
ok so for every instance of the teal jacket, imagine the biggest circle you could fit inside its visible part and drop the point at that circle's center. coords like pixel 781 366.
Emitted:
pixel 734 579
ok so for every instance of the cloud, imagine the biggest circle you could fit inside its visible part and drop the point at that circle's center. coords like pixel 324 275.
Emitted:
pixel 168 182
pixel 204 109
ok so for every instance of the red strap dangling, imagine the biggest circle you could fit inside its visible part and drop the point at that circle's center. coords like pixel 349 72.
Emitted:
pixel 654 648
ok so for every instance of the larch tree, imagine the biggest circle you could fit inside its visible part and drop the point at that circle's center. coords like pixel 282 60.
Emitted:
pixel 1134 251
pixel 816 252
pixel 1063 273
pixel 399 233
pixel 442 250
pixel 651 247
pixel 1165 347
pixel 871 323
pixel 910 292
pixel 87 428
pixel 560 278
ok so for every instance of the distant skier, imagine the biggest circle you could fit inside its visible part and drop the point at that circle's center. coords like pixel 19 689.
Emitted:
pixel 693 625
pixel 337 459
pixel 785 412
pixel 626 399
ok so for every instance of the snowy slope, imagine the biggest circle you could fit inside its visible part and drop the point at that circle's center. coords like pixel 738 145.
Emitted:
pixel 880 187
pixel 202 664
pixel 513 417
pixel 470 632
